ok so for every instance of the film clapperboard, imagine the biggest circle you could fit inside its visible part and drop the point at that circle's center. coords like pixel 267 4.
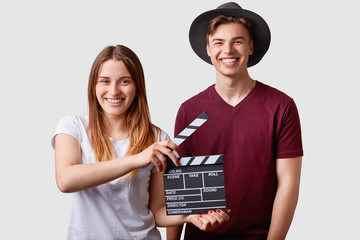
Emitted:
pixel 197 185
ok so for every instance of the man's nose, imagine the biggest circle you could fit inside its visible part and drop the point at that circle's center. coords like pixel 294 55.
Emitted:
pixel 228 48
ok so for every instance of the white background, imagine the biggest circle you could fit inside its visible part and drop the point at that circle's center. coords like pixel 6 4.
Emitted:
pixel 46 52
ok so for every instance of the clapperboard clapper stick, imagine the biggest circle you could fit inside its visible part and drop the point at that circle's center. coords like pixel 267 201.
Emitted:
pixel 197 185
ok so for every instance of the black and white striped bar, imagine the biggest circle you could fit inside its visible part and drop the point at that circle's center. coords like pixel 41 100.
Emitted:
pixel 193 126
pixel 201 160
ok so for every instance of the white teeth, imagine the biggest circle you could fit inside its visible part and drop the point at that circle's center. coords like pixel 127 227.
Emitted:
pixel 113 100
pixel 229 60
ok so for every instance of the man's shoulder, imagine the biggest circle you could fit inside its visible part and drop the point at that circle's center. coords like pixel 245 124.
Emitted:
pixel 271 92
pixel 201 96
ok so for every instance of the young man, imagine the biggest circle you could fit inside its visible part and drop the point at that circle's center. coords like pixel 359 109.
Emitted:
pixel 255 126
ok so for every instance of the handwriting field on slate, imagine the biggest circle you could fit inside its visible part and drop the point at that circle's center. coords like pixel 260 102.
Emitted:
pixel 197 185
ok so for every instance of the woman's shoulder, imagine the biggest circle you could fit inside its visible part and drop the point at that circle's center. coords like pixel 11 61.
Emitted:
pixel 72 125
pixel 162 135
pixel 74 120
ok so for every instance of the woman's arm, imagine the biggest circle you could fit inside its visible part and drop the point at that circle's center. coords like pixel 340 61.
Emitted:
pixel 174 233
pixel 72 176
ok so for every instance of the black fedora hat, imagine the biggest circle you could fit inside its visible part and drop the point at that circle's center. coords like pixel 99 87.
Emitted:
pixel 260 31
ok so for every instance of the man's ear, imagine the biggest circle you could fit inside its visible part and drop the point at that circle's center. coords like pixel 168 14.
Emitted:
pixel 207 49
pixel 251 47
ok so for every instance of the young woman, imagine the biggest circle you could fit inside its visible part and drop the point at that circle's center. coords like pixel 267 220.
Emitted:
pixel 111 159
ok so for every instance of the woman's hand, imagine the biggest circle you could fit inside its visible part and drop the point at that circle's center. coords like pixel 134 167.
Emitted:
pixel 210 221
pixel 155 154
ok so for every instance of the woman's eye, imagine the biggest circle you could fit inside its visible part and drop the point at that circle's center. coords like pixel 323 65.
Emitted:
pixel 125 81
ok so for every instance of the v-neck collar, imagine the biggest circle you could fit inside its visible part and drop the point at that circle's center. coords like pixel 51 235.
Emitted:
pixel 238 106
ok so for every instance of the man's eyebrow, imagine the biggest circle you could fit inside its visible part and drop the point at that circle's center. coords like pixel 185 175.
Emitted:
pixel 234 38
pixel 239 37
pixel 217 39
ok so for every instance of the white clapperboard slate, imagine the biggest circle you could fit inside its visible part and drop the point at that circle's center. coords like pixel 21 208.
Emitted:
pixel 197 185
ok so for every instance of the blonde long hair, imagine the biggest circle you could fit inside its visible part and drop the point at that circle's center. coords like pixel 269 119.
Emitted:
pixel 142 133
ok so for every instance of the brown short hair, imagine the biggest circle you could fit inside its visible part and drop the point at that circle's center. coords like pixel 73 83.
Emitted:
pixel 226 20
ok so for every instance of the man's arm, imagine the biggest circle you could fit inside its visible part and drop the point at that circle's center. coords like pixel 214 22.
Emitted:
pixel 288 172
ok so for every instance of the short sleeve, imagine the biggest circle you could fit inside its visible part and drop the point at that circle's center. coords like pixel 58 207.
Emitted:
pixel 68 125
pixel 289 142
pixel 164 136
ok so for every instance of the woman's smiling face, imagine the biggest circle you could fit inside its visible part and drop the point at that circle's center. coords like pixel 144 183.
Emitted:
pixel 115 89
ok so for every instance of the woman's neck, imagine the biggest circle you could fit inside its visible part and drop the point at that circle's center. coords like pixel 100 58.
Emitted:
pixel 117 128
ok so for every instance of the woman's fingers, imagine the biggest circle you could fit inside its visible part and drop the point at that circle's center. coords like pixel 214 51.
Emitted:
pixel 213 219
pixel 206 224
pixel 220 216
pixel 167 148
pixel 210 222
pixel 159 161
pixel 157 154
pixel 169 144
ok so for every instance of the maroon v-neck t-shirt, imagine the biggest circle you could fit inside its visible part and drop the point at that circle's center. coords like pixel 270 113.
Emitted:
pixel 263 127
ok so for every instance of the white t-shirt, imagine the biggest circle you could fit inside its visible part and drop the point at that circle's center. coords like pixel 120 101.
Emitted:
pixel 115 210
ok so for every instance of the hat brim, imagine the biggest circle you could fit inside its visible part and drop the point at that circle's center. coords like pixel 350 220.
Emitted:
pixel 260 32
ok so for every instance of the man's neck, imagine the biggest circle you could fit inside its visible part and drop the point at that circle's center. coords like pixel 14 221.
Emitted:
pixel 234 89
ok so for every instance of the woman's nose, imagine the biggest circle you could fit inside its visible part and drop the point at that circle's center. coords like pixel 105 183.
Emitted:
pixel 114 88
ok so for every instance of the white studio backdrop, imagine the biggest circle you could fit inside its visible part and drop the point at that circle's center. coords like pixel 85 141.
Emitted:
pixel 46 52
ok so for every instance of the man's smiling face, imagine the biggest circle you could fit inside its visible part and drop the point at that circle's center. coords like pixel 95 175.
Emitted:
pixel 229 47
